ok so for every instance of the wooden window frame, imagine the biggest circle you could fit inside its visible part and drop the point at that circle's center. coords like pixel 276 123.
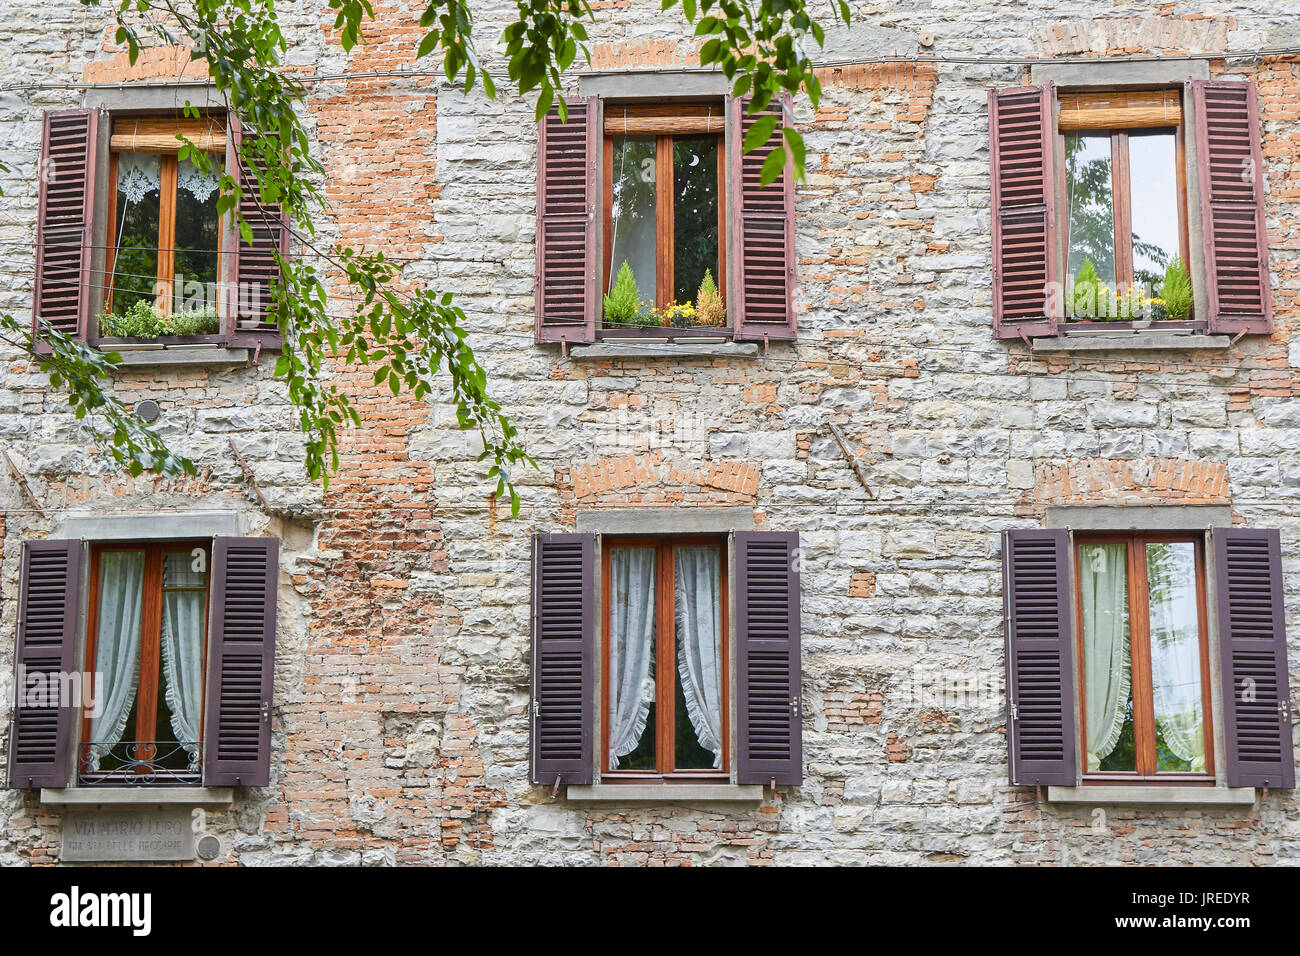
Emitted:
pixel 1122 202
pixel 165 281
pixel 665 661
pixel 665 123
pixel 1139 615
pixel 150 626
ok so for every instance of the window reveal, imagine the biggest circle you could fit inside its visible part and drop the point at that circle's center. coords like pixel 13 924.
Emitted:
pixel 665 671
pixel 1143 656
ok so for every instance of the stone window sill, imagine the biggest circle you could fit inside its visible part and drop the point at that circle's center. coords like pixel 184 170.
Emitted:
pixel 682 348
pixel 1126 340
pixel 178 355
pixel 1154 796
pixel 666 793
pixel 138 796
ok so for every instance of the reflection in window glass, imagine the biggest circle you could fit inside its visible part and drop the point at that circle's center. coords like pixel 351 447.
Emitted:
pixel 1176 657
pixel 139 197
pixel 632 213
pixel 632 658
pixel 1154 197
pixel 1108 696
pixel 1091 205
pixel 695 213
pixel 697 597
pixel 197 223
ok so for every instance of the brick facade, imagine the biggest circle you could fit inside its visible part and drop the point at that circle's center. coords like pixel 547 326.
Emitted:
pixel 400 724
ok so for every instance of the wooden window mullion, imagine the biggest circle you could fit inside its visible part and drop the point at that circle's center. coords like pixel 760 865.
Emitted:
pixel 664 219
pixel 666 650
pixel 167 235
pixel 1123 210
pixel 1144 721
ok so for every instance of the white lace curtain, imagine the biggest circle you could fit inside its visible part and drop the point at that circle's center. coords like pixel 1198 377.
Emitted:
pixel 138 174
pixel 631 647
pixel 1103 578
pixel 117 648
pixel 699 642
pixel 182 649
pixel 1175 651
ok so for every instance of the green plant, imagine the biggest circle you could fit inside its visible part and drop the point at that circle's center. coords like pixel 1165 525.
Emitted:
pixel 143 320
pixel 623 304
pixel 1177 290
pixel 1087 295
pixel 679 316
pixel 710 310
pixel 198 322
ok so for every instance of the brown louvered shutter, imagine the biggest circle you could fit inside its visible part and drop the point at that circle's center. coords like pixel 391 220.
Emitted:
pixel 567 262
pixel 1024 217
pixel 251 268
pixel 563 655
pixel 241 662
pixel 64 237
pixel 1230 172
pixel 769 698
pixel 761 230
pixel 48 610
pixel 1039 661
pixel 1252 657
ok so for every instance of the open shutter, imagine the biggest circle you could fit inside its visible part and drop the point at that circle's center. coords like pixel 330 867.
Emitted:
pixel 251 268
pixel 563 654
pixel 1040 677
pixel 1252 657
pixel 1230 172
pixel 567 262
pixel 47 642
pixel 69 144
pixel 1024 216
pixel 769 700
pixel 761 230
pixel 241 660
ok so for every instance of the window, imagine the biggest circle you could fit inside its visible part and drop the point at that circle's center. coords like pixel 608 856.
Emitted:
pixel 164 229
pixel 664 205
pixel 1126 197
pixel 664 657
pixel 1143 657
pixel 147 637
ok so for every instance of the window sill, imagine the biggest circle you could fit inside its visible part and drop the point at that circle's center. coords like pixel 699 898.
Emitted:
pixel 1130 340
pixel 138 796
pixel 683 348
pixel 1154 796
pixel 666 793
pixel 178 355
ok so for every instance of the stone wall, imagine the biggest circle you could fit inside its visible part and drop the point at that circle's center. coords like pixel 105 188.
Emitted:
pixel 400 728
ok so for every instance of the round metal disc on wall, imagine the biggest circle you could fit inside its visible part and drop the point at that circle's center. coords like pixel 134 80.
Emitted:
pixel 147 411
pixel 208 847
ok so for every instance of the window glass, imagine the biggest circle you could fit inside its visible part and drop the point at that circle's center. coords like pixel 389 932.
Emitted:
pixel 1154 192
pixel 698 617
pixel 117 654
pixel 1090 204
pixel 632 213
pixel 695 213
pixel 1175 657
pixel 1107 674
pixel 632 658
pixel 135 264
pixel 197 225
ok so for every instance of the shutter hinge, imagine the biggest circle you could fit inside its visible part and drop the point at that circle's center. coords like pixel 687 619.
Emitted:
pixel 266 710
pixel 556 789
pixel 1015 715
pixel 794 706
pixel 1284 708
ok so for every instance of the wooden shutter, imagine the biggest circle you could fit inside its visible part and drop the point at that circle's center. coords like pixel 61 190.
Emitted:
pixel 1230 172
pixel 567 262
pixel 1040 678
pixel 251 268
pixel 48 611
pixel 65 211
pixel 760 228
pixel 241 661
pixel 563 654
pixel 769 699
pixel 1024 217
pixel 1252 658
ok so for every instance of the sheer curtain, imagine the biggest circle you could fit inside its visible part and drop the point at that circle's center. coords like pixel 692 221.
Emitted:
pixel 699 642
pixel 631 647
pixel 117 645
pixel 1103 578
pixel 182 648
pixel 1176 651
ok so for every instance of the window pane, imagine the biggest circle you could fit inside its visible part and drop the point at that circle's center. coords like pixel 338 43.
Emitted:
pixel 632 212
pixel 1108 696
pixel 180 678
pixel 1154 176
pixel 631 658
pixel 117 652
pixel 1176 657
pixel 1090 204
pixel 135 265
pixel 698 614
pixel 695 213
pixel 196 237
